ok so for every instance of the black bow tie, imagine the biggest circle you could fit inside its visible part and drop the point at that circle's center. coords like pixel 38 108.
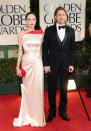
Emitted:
pixel 59 27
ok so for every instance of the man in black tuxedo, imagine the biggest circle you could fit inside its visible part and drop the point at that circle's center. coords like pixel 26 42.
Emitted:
pixel 58 57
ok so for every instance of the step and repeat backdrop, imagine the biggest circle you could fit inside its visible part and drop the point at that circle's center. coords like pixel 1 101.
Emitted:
pixel 12 19
pixel 75 14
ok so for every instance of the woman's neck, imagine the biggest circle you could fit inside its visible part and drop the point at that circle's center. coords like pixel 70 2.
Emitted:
pixel 30 29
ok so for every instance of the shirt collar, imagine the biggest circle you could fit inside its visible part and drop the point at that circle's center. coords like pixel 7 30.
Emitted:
pixel 59 25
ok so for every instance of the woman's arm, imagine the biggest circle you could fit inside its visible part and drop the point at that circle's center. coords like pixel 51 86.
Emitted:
pixel 19 53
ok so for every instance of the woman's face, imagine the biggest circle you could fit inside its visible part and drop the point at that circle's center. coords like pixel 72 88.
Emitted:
pixel 31 21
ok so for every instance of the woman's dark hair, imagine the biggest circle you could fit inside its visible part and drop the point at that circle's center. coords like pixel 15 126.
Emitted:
pixel 37 25
pixel 29 13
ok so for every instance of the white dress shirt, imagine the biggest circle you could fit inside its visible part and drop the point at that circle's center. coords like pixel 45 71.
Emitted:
pixel 61 32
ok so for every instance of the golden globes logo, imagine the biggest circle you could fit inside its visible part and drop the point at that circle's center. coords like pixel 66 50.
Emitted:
pixel 12 19
pixel 73 14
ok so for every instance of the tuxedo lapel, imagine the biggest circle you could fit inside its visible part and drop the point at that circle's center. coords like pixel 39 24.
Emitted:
pixel 66 35
pixel 57 37
pixel 56 34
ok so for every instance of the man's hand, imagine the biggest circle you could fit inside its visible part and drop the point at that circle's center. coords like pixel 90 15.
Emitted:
pixel 71 69
pixel 47 69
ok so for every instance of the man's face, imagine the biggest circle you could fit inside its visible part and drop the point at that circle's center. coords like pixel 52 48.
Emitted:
pixel 60 17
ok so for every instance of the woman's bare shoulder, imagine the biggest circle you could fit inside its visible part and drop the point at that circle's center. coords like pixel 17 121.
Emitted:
pixel 20 34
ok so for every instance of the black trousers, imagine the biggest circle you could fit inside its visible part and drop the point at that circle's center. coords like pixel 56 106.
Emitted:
pixel 52 86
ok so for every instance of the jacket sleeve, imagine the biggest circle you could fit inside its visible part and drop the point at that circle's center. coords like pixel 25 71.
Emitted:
pixel 45 48
pixel 72 58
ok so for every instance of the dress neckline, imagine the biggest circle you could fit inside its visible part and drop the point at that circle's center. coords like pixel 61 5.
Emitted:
pixel 40 31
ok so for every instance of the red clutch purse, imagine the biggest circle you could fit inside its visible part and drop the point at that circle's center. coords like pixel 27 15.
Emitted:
pixel 23 72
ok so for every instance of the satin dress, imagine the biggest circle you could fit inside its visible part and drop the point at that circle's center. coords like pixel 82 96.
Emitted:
pixel 32 101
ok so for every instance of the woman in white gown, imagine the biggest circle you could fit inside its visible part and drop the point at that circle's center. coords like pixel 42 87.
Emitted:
pixel 32 102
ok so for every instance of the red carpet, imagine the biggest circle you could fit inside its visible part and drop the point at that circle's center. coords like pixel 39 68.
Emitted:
pixel 9 108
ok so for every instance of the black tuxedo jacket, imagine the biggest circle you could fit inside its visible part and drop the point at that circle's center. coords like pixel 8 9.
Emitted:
pixel 55 52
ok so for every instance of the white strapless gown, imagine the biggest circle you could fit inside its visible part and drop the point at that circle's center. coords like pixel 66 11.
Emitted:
pixel 32 102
